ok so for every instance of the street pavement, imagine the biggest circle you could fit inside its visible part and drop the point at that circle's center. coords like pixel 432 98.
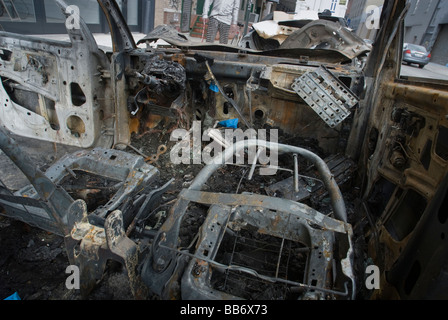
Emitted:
pixel 430 71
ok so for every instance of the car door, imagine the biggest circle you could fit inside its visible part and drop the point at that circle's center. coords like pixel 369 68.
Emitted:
pixel 56 91
pixel 401 135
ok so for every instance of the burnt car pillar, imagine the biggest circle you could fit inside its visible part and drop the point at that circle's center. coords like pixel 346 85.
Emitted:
pixel 122 42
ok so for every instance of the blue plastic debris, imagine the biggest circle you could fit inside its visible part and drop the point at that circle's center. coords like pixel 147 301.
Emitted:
pixel 14 296
pixel 231 123
pixel 214 87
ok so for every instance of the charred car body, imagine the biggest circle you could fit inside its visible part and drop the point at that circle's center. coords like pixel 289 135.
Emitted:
pixel 370 147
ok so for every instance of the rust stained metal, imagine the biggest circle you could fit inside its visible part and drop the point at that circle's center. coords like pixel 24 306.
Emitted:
pixel 126 250
pixel 196 278
pixel 326 95
pixel 324 173
pixel 279 106
pixel 327 34
pixel 277 204
pixel 91 246
pixel 434 100
pixel 269 215
pixel 179 58
pixel 162 149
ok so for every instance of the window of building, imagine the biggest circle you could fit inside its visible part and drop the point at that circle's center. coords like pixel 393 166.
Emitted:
pixel 17 11
pixel 334 3
pixel 88 9
pixel 132 12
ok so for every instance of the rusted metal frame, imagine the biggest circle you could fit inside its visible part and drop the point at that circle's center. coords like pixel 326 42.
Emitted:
pixel 136 176
pixel 230 65
pixel 296 172
pixel 133 173
pixel 161 269
pixel 377 72
pixel 89 247
pixel 230 100
pixel 122 135
pixel 337 200
pixel 326 95
pixel 131 170
pixel 347 262
pixel 390 40
pixel 320 31
pixel 326 176
pixel 195 281
pixel 28 43
pixel 56 199
pixel 254 162
pixel 196 287
pixel 418 95
pixel 423 248
pixel 161 264
pixel 392 14
pixel 148 202
pixel 122 39
pixel 196 277
pixel 213 295
pixel 276 217
pixel 297 209
pixel 126 249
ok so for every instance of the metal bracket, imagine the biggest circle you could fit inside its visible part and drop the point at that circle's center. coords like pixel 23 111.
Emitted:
pixel 124 248
pixel 326 95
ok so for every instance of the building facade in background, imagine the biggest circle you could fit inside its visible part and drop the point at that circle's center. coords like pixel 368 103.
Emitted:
pixel 363 17
pixel 251 11
pixel 426 24
pixel 337 8
pixel 45 16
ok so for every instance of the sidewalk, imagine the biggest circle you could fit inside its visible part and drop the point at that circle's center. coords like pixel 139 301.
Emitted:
pixel 437 68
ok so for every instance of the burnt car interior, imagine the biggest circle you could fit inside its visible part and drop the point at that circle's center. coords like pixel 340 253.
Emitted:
pixel 361 176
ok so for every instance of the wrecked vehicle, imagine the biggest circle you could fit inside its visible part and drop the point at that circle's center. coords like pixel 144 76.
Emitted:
pixel 360 177
pixel 305 29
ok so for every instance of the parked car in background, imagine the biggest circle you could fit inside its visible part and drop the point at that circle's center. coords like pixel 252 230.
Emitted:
pixel 413 53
